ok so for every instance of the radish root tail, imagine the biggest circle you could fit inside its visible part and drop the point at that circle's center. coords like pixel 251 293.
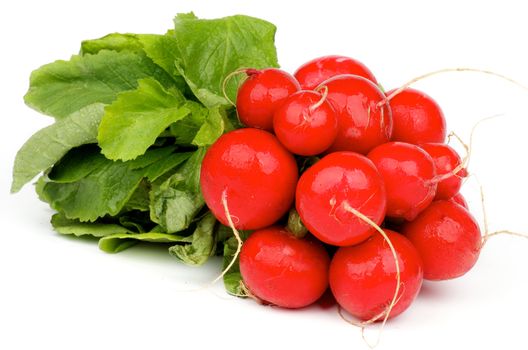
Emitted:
pixel 228 78
pixel 386 313
pixel 467 147
pixel 362 325
pixel 235 233
pixel 324 95
pixel 487 235
pixel 247 293
pixel 449 70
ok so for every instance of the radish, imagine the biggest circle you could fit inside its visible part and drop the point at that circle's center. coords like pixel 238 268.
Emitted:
pixel 460 200
pixel 363 277
pixel 333 185
pixel 449 169
pixel 314 72
pixel 363 123
pixel 253 173
pixel 447 238
pixel 408 172
pixel 283 270
pixel 261 94
pixel 306 123
pixel 417 118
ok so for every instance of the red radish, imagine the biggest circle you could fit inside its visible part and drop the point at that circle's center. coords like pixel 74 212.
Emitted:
pixel 327 301
pixel 448 239
pixel 254 173
pixel 363 277
pixel 408 172
pixel 305 123
pixel 261 94
pixel 460 200
pixel 362 124
pixel 327 190
pixel 446 160
pixel 316 71
pixel 284 270
pixel 417 118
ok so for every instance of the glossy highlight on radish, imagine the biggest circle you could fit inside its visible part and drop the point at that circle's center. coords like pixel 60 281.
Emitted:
pixel 257 174
pixel 446 161
pixel 409 176
pixel 363 277
pixel 363 123
pixel 306 123
pixel 331 186
pixel 283 270
pixel 447 238
pixel 417 117
pixel 261 94
pixel 314 72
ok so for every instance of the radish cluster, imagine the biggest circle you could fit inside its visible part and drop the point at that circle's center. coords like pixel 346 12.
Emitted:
pixel 329 143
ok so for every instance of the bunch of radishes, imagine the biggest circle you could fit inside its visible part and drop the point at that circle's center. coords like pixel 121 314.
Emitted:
pixel 366 159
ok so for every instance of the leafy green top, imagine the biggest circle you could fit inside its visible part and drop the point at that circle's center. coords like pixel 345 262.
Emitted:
pixel 134 115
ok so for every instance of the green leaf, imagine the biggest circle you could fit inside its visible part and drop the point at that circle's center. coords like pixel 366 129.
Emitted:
pixel 50 144
pixel 202 246
pixel 232 283
pixel 201 127
pixel 116 243
pixel 212 128
pixel 113 41
pixel 176 201
pixel 77 164
pixel 295 225
pixel 66 226
pixel 85 185
pixel 185 130
pixel 182 17
pixel 121 241
pixel 209 50
pixel 151 157
pixel 92 189
pixel 63 87
pixel 233 278
pixel 163 50
pixel 139 199
pixel 166 164
pixel 132 123
pixel 80 163
pixel 39 188
pixel 156 47
pixel 103 192
pixel 137 222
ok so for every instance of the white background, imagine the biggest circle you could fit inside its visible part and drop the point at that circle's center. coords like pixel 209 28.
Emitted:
pixel 62 293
